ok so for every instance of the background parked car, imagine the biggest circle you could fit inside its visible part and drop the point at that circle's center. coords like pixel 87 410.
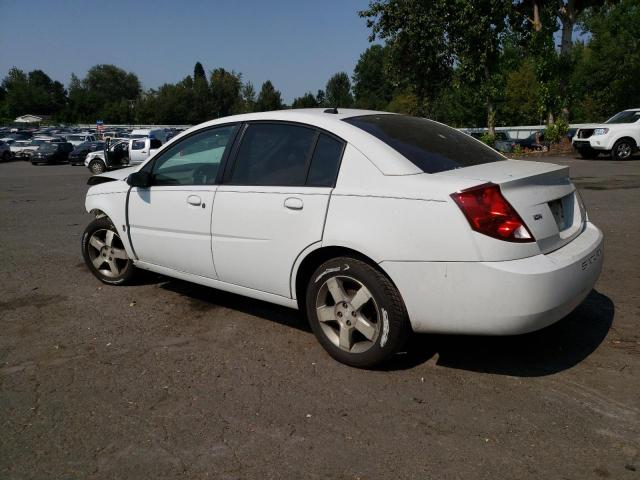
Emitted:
pixel 503 142
pixel 77 156
pixel 5 151
pixel 618 137
pixel 535 141
pixel 52 152
pixel 115 154
pixel 77 139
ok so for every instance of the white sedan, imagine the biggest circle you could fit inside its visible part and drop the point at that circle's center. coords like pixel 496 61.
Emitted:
pixel 373 224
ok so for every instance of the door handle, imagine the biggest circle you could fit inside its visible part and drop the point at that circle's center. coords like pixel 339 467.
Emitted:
pixel 293 203
pixel 194 200
pixel 143 151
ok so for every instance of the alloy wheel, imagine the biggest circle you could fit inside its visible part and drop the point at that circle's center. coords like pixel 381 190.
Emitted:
pixel 107 253
pixel 623 151
pixel 348 314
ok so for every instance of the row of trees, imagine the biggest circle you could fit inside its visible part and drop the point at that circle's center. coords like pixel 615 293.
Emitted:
pixel 488 62
pixel 463 62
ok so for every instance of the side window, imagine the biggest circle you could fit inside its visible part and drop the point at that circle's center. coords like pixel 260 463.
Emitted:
pixel 273 154
pixel 325 162
pixel 194 160
pixel 137 145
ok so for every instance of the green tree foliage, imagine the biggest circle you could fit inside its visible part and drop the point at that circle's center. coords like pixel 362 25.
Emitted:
pixel 372 86
pixel 339 91
pixel 226 92
pixel 321 98
pixel 308 100
pixel 421 50
pixel 269 98
pixel 198 72
pixel 248 94
pixel 607 74
pixel 105 93
pixel 34 93
pixel 521 94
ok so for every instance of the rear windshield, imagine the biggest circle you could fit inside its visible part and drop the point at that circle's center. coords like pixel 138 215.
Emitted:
pixel 429 145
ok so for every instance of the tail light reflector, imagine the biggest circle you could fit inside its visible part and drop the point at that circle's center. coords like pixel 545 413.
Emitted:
pixel 489 213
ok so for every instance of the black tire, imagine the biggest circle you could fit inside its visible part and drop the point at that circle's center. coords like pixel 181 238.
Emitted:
pixel 109 254
pixel 622 149
pixel 391 323
pixel 588 153
pixel 97 167
pixel 6 156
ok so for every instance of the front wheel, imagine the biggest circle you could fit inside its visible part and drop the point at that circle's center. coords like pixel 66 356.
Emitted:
pixel 622 150
pixel 97 167
pixel 104 253
pixel 355 312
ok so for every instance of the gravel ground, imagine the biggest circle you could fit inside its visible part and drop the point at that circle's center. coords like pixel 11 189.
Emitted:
pixel 166 379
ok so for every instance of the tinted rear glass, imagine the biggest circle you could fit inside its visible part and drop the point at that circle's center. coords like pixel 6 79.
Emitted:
pixel 429 145
pixel 273 154
pixel 325 162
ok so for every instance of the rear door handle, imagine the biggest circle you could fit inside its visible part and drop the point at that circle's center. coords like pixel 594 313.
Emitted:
pixel 294 203
pixel 194 200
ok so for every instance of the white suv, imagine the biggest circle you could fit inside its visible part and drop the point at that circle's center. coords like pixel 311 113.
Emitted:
pixel 619 136
pixel 373 224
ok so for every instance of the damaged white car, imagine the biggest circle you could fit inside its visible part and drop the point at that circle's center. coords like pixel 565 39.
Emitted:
pixel 373 224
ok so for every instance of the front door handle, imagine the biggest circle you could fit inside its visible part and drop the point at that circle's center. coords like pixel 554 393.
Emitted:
pixel 293 203
pixel 194 200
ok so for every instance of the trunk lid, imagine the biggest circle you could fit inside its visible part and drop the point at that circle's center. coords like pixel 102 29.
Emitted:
pixel 541 193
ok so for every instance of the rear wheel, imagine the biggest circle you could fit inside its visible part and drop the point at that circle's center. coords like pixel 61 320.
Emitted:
pixel 355 312
pixel 622 149
pixel 96 167
pixel 104 253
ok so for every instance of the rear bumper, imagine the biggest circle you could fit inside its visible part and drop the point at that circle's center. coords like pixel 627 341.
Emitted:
pixel 499 298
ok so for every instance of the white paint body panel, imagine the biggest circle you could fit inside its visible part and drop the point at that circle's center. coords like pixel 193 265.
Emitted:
pixel 168 231
pixel 256 238
pixel 451 278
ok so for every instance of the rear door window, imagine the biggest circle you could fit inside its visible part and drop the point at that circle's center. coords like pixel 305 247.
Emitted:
pixel 273 154
pixel 429 145
pixel 325 162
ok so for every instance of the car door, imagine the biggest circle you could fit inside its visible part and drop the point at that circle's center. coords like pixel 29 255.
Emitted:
pixel 138 151
pixel 272 204
pixel 170 222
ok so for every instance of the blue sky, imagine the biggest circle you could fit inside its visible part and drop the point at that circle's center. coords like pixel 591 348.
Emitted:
pixel 297 45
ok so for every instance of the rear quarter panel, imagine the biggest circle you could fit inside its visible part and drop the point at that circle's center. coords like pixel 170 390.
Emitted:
pixel 401 218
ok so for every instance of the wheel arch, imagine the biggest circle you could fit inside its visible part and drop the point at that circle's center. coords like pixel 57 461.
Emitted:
pixel 314 256
pixel 627 137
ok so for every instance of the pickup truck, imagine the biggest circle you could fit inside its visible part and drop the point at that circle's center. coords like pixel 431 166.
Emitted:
pixel 618 137
pixel 119 153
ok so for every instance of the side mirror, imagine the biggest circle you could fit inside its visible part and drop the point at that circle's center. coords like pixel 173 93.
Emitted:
pixel 139 179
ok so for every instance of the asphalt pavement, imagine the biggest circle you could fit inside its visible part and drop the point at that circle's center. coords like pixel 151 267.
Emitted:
pixel 165 379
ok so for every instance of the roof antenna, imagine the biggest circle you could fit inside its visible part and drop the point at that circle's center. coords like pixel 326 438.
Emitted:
pixel 333 110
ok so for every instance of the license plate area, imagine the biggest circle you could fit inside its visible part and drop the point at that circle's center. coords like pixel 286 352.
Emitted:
pixel 562 214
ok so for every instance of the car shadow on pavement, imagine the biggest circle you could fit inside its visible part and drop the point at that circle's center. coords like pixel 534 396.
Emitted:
pixel 204 298
pixel 545 352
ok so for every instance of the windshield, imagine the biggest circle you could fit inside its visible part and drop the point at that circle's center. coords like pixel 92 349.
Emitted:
pixel 429 145
pixel 625 117
pixel 47 147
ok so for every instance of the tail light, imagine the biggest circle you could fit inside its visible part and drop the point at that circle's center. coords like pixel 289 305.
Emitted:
pixel 489 213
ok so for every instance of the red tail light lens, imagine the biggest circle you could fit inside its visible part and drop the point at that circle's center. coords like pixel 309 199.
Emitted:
pixel 489 213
